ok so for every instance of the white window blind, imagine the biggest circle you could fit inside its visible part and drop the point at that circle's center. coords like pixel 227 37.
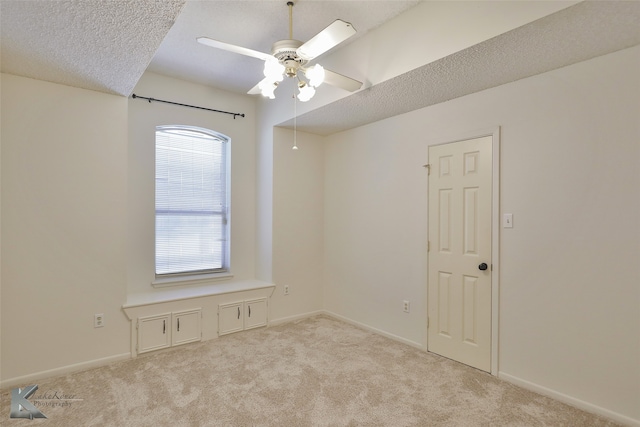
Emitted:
pixel 191 201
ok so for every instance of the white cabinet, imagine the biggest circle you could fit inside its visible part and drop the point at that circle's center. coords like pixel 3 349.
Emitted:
pixel 168 329
pixel 186 327
pixel 255 313
pixel 230 318
pixel 154 332
pixel 238 316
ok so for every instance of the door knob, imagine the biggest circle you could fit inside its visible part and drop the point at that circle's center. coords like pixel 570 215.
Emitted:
pixel 483 266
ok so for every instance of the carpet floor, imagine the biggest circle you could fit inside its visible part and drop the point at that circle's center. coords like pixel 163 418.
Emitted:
pixel 313 372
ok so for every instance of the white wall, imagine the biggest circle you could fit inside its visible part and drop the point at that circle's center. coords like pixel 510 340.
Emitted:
pixel 64 176
pixel 385 52
pixel 143 119
pixel 569 275
pixel 298 223
pixel 77 212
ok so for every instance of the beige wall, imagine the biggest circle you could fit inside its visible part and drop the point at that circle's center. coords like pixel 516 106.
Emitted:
pixel 569 271
pixel 298 223
pixel 77 213
pixel 64 187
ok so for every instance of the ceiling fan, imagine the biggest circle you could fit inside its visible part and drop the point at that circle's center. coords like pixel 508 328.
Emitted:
pixel 291 57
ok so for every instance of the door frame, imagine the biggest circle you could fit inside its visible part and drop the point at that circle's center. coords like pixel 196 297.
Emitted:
pixel 494 133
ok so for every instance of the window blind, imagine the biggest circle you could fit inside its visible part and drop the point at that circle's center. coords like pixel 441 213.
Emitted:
pixel 190 201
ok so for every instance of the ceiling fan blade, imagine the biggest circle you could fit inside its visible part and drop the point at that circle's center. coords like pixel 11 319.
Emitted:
pixel 326 39
pixel 343 82
pixel 233 48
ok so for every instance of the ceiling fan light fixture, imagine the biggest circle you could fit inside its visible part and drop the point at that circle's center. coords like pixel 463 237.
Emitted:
pixel 267 88
pixel 315 75
pixel 273 70
pixel 289 57
pixel 306 92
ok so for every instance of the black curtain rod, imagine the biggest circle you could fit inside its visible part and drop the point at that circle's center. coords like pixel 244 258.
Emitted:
pixel 134 96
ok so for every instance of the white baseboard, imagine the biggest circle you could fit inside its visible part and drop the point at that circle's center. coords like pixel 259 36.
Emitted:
pixel 586 406
pixel 282 320
pixel 346 320
pixel 31 378
pixel 374 330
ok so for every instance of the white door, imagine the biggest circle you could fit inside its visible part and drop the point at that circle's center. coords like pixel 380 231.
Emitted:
pixel 459 305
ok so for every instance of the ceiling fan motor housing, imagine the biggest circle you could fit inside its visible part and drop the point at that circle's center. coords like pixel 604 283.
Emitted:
pixel 285 52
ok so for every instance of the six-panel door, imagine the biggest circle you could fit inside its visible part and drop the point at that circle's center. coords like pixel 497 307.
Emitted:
pixel 459 289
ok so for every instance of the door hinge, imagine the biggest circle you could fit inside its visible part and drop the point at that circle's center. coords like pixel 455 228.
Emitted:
pixel 428 246
pixel 427 322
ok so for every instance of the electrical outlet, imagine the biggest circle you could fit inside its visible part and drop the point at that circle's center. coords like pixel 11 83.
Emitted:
pixel 286 289
pixel 98 320
pixel 405 306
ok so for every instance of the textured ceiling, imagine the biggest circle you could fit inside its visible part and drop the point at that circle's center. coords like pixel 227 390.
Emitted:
pixel 99 45
pixel 106 45
pixel 255 25
pixel 575 34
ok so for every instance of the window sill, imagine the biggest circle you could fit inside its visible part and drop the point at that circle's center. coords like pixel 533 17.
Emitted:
pixel 168 295
pixel 190 280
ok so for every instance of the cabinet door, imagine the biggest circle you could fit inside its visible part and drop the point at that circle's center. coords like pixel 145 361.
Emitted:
pixel 230 318
pixel 255 313
pixel 154 332
pixel 186 327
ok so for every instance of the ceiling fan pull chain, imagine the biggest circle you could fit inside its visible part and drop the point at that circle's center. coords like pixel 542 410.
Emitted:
pixel 295 123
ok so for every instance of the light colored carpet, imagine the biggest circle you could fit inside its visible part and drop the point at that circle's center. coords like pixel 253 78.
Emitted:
pixel 313 372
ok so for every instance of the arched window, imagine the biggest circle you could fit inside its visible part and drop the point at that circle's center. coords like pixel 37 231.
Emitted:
pixel 192 175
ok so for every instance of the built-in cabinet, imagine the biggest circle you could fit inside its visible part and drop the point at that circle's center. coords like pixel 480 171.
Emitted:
pixel 168 329
pixel 242 315
pixel 174 316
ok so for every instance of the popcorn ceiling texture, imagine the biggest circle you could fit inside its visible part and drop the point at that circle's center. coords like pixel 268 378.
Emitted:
pixel 105 47
pixel 575 34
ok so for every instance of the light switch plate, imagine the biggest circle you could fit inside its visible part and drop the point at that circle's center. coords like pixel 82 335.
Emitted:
pixel 507 221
